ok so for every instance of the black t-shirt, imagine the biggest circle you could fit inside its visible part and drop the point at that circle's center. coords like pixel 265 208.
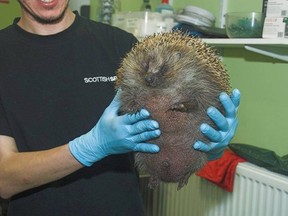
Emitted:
pixel 53 89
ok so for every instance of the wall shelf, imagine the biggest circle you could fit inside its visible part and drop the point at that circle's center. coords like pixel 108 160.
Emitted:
pixel 275 48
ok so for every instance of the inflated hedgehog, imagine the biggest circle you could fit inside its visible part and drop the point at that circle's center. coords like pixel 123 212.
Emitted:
pixel 176 77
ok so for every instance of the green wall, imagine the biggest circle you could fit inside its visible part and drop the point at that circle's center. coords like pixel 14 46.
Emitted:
pixel 211 5
pixel 263 112
pixel 8 12
pixel 261 80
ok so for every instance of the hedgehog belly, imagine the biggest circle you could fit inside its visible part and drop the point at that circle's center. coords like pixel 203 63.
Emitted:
pixel 177 159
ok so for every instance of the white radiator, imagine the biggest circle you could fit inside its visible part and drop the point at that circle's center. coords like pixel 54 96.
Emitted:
pixel 257 192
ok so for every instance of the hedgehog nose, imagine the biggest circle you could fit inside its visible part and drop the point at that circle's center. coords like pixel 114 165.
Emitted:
pixel 150 81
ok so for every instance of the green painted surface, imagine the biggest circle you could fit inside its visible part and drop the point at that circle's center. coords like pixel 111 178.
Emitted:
pixel 8 12
pixel 263 112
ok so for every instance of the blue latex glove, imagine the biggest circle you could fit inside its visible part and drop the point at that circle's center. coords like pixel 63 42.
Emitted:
pixel 227 126
pixel 114 134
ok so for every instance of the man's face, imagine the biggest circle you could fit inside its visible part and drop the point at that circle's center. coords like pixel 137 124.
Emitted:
pixel 44 11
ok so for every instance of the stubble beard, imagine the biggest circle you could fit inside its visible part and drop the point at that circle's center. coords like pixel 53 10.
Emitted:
pixel 43 20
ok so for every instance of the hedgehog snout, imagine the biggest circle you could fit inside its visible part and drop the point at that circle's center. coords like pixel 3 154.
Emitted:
pixel 151 80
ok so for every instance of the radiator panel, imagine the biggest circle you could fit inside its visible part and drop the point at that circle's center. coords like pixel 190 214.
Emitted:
pixel 257 192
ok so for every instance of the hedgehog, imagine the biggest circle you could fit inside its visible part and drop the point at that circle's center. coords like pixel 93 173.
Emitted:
pixel 175 77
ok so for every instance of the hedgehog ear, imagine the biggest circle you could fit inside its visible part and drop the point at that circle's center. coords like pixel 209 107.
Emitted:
pixel 178 55
pixel 174 57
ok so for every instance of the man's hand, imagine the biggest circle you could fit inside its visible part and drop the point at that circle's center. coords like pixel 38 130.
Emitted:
pixel 227 126
pixel 116 134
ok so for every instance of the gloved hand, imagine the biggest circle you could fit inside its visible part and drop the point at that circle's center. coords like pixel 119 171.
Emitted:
pixel 227 126
pixel 116 134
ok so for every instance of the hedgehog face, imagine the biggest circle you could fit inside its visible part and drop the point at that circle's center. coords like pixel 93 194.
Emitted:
pixel 157 69
pixel 155 73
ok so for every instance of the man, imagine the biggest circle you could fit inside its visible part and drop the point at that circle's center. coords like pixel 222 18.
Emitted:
pixel 60 154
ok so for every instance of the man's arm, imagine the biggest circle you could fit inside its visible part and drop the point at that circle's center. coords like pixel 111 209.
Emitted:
pixel 23 171
pixel 113 134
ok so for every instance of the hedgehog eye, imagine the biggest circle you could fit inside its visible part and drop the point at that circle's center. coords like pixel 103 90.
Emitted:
pixel 145 66
pixel 164 69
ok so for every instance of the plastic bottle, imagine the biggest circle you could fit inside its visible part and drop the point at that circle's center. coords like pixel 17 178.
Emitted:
pixel 146 6
pixel 106 10
pixel 165 8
